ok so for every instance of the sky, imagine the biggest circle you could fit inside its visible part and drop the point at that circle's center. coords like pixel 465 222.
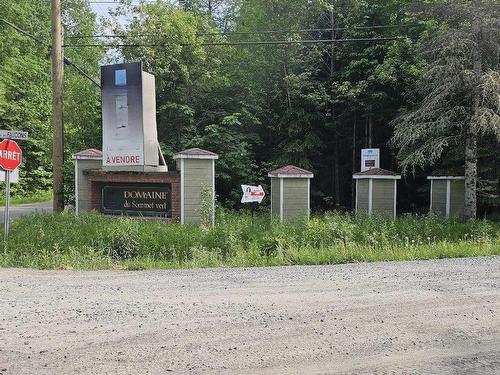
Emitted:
pixel 102 10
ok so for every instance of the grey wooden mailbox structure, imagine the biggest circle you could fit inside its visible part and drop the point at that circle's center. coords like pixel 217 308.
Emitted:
pixel 197 170
pixel 447 195
pixel 376 191
pixel 290 192
pixel 84 160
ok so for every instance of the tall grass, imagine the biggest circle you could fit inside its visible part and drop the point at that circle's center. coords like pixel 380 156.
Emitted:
pixel 36 197
pixel 92 241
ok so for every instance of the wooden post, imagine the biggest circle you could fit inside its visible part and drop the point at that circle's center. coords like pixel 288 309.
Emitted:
pixel 57 108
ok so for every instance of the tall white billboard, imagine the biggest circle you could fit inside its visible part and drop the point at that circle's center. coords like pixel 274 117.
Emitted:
pixel 129 134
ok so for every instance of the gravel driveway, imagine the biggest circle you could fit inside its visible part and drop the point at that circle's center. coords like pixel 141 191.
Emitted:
pixel 423 317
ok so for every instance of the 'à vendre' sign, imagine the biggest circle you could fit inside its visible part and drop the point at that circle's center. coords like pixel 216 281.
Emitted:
pixel 138 199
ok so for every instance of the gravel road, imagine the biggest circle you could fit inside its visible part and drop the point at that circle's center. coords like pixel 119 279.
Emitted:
pixel 421 317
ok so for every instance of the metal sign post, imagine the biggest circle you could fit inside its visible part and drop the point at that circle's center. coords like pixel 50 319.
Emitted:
pixel 252 194
pixel 7 204
pixel 10 159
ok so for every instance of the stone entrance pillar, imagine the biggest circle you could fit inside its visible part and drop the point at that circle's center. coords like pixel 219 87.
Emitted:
pixel 90 159
pixel 290 192
pixel 197 184
pixel 376 191
pixel 447 195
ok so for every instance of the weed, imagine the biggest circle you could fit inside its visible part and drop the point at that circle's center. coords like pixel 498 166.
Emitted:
pixel 93 241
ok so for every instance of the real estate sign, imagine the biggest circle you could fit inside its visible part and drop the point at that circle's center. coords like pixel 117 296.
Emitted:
pixel 370 158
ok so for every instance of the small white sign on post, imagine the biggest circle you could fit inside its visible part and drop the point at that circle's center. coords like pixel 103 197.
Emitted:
pixel 252 194
pixel 14 176
pixel 13 134
pixel 370 158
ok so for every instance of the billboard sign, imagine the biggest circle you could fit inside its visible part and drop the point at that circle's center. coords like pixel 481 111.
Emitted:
pixel 370 158
pixel 129 135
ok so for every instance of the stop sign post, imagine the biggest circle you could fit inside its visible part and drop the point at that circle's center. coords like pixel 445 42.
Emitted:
pixel 10 158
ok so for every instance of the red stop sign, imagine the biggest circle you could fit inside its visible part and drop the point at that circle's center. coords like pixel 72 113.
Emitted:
pixel 10 155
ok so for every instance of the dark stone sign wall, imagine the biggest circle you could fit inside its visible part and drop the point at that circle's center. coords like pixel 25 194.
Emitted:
pixel 153 194
pixel 137 199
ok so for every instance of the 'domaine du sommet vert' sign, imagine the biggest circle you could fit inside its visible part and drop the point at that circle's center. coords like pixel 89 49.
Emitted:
pixel 137 200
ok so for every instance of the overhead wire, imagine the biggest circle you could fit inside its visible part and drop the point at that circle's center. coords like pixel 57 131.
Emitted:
pixel 290 31
pixel 66 60
pixel 226 43
pixel 244 43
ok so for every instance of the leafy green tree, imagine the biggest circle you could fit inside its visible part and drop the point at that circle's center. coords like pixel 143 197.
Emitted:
pixel 198 104
pixel 25 88
pixel 82 107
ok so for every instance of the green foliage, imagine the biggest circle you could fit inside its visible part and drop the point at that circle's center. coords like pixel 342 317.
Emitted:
pixel 25 87
pixel 37 196
pixel 257 106
pixel 94 241
pixel 207 206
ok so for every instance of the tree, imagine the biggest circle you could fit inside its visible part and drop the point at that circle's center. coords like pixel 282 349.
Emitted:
pixel 25 89
pixel 460 92
pixel 198 102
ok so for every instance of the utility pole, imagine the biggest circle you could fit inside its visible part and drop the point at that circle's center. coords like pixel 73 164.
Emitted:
pixel 57 107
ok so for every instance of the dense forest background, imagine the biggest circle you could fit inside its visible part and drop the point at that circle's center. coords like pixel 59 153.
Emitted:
pixel 260 105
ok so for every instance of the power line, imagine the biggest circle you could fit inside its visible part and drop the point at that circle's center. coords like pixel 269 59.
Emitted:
pixel 70 63
pixel 244 43
pixel 291 31
pixel 118 2
pixel 66 60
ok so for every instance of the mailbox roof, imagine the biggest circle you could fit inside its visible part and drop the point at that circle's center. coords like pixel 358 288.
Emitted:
pixel 377 173
pixel 90 153
pixel 196 153
pixel 291 171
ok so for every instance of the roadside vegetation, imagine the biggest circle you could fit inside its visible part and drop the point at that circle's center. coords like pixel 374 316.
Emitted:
pixel 92 241
pixel 36 197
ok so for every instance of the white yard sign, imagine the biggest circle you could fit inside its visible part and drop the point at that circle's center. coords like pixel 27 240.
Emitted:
pixel 252 194
pixel 370 158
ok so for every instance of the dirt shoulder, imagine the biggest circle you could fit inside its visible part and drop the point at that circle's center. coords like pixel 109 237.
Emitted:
pixel 424 317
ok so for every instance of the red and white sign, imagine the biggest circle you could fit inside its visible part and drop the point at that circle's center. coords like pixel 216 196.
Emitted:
pixel 10 155
pixel 252 194
pixel 370 158
pixel 122 158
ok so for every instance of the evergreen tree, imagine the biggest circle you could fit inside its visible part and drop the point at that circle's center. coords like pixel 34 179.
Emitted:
pixel 460 91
